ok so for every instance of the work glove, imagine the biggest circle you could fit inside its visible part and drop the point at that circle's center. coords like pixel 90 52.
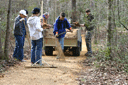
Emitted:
pixel 57 35
pixel 71 30
pixel 76 24
pixel 22 19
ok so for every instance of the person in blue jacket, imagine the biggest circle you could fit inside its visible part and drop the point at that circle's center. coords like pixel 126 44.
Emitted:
pixel 60 26
pixel 19 33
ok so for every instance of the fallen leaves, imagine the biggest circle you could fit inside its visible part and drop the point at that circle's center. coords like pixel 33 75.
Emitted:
pixel 103 75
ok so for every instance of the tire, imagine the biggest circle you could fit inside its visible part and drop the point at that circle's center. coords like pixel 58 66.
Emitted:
pixel 48 51
pixel 76 51
pixel 80 46
pixel 65 48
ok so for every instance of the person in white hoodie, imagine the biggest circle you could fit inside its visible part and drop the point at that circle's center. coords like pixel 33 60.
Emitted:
pixel 36 36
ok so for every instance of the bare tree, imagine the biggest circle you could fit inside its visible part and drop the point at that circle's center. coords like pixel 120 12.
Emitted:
pixel 6 48
pixel 74 11
pixel 111 28
pixel 1 51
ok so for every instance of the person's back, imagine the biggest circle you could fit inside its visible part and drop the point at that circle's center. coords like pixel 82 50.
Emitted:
pixel 36 36
pixel 34 27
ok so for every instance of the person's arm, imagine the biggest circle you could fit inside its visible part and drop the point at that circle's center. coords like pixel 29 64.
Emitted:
pixel 17 22
pixel 38 26
pixel 68 26
pixel 56 28
pixel 82 25
pixel 44 22
pixel 78 25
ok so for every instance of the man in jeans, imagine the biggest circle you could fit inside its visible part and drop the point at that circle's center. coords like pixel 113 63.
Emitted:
pixel 19 34
pixel 89 24
pixel 36 36
pixel 59 27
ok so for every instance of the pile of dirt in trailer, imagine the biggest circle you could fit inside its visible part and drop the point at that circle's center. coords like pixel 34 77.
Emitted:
pixel 48 33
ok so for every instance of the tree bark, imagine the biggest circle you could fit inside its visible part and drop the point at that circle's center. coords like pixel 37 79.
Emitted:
pixel 74 11
pixel 110 36
pixel 1 51
pixel 6 47
pixel 111 29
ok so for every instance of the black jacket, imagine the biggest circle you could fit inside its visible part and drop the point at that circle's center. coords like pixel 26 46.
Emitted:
pixel 18 26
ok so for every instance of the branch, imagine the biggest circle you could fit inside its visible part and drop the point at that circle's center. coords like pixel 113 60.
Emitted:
pixel 119 17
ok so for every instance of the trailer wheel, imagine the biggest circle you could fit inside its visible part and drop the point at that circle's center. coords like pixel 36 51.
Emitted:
pixel 76 51
pixel 48 50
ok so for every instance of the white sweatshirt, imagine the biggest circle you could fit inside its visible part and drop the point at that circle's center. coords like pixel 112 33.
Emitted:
pixel 35 28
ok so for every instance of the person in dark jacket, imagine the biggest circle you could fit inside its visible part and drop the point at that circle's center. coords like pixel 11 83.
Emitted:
pixel 89 24
pixel 60 26
pixel 19 32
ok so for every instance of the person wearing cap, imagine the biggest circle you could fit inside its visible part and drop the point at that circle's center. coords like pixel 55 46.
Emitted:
pixel 36 36
pixel 60 26
pixel 89 24
pixel 44 21
pixel 19 34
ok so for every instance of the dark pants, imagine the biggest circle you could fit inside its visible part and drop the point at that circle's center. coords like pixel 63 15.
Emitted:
pixel 24 33
pixel 36 50
pixel 88 41
pixel 18 52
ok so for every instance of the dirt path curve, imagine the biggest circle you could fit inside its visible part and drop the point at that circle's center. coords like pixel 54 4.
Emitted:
pixel 65 73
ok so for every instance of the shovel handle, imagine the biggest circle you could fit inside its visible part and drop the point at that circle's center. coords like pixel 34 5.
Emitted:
pixel 64 32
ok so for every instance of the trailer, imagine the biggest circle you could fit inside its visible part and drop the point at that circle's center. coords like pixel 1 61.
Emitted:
pixel 72 41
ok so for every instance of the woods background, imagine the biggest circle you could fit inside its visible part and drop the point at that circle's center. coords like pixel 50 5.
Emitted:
pixel 110 41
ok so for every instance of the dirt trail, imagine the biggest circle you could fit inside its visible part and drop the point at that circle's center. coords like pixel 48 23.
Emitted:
pixel 65 73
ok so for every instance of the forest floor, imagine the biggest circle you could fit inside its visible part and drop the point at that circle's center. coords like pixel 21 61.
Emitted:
pixel 65 73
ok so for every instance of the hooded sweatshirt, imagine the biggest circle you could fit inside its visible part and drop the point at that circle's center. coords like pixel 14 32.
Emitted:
pixel 35 28
pixel 60 26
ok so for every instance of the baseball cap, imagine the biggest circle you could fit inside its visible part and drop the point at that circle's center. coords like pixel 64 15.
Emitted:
pixel 36 10
pixel 23 12
pixel 26 11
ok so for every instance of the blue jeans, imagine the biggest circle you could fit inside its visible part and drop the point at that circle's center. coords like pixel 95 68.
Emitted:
pixel 24 34
pixel 36 50
pixel 61 40
pixel 18 52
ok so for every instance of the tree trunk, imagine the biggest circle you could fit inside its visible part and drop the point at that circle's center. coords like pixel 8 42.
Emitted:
pixel 74 11
pixel 111 28
pixel 55 11
pixel 1 51
pixel 6 48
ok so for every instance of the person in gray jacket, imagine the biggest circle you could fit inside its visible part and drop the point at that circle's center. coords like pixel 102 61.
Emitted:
pixel 18 33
